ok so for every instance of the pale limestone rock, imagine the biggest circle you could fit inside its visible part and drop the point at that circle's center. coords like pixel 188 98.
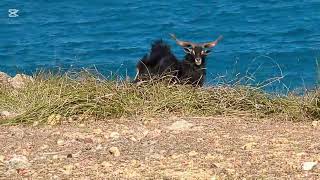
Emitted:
pixel 307 166
pixel 192 153
pixel 2 158
pixel 114 135
pixel 315 123
pixel 60 142
pixel 18 162
pixel 180 125
pixel 20 80
pixel 4 79
pixel 114 151
pixel 7 114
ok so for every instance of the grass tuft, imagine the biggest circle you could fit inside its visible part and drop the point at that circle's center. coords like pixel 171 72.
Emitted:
pixel 87 95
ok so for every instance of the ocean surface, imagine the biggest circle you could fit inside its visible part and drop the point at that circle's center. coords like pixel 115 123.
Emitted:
pixel 271 43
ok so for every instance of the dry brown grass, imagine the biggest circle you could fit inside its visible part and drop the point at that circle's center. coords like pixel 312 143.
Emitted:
pixel 83 94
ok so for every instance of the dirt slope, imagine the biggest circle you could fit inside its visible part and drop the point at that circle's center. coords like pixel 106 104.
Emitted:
pixel 169 148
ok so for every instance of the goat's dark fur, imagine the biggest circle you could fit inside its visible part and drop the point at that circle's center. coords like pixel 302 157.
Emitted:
pixel 191 73
pixel 161 61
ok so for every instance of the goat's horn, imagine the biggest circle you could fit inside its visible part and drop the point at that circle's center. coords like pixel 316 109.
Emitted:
pixel 181 43
pixel 212 44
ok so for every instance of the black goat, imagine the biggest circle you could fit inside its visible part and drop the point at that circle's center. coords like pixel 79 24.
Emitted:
pixel 161 61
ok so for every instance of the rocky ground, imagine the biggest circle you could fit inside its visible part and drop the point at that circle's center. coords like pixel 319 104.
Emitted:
pixel 15 82
pixel 168 148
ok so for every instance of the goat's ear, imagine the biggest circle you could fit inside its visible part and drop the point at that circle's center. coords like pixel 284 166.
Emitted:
pixel 187 50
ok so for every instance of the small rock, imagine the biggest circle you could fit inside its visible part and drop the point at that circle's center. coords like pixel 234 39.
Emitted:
pixel 54 119
pixel 43 147
pixel 192 153
pixel 145 122
pixel 307 166
pixel 97 131
pixel 99 147
pixel 67 169
pixel 70 119
pixel 114 151
pixel 2 158
pixel 249 146
pixel 35 123
pixel 133 139
pixel 106 164
pixel 200 139
pixel 114 135
pixel 180 126
pixel 134 162
pixel 55 177
pixel 315 123
pixel 210 157
pixel 77 165
pixel 60 142
pixel 176 156
pixel 7 114
pixel 18 162
pixel 77 154
pixel 59 157
pixel 214 177
pixel 55 157
pixel 20 81
pixel 82 125
pixel 145 133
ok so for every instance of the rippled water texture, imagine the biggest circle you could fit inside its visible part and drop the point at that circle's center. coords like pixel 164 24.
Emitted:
pixel 261 39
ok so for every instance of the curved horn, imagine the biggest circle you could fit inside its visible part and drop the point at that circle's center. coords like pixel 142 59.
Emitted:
pixel 181 43
pixel 212 44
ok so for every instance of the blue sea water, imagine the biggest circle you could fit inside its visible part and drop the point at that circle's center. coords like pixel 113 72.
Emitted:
pixel 263 40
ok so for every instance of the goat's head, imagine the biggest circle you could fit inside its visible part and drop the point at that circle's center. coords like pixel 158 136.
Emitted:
pixel 198 51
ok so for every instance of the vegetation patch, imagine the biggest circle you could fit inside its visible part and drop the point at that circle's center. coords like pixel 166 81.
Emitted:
pixel 51 97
